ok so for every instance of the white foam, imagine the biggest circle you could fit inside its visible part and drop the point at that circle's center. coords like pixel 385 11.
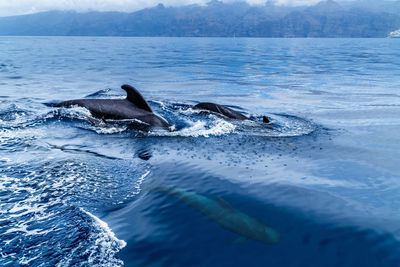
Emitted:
pixel 137 188
pixel 106 229
pixel 110 130
pixel 78 112
pixel 200 129
pixel 16 134
pixel 139 182
pixel 18 120
pixel 27 261
pixel 22 217
pixel 280 127
pixel 190 111
pixel 103 245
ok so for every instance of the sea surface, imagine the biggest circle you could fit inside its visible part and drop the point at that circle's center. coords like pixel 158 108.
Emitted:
pixel 324 174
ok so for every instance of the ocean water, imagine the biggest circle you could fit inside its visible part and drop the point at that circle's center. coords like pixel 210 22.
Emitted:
pixel 324 175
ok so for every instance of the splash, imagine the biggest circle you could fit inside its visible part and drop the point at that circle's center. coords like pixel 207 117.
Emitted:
pixel 281 125
pixel 105 246
pixel 188 122
pixel 217 127
pixel 44 205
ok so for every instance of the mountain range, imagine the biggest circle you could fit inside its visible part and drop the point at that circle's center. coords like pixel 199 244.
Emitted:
pixel 363 18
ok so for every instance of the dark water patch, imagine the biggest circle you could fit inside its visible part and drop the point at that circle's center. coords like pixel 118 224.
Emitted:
pixel 163 230
pixel 7 67
pixel 16 77
pixel 80 149
pixel 144 154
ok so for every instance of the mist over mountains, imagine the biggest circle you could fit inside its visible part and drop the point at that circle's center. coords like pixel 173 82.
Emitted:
pixel 218 19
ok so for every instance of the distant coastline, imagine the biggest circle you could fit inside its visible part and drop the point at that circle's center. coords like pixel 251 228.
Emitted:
pixel 328 19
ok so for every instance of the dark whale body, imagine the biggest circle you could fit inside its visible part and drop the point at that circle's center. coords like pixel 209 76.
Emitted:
pixel 220 109
pixel 225 111
pixel 133 107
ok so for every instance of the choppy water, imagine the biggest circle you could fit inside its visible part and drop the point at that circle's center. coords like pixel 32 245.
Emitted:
pixel 325 174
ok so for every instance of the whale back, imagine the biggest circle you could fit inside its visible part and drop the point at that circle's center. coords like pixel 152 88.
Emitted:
pixel 220 109
pixel 135 97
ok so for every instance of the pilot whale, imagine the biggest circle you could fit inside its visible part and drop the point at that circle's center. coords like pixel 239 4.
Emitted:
pixel 226 216
pixel 134 107
pixel 225 111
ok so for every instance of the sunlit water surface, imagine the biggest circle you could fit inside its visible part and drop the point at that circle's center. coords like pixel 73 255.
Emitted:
pixel 325 174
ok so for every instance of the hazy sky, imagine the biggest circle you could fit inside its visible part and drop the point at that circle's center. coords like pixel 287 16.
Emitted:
pixel 16 7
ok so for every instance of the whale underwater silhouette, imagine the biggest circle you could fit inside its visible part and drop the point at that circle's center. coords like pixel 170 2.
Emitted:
pixel 222 213
pixel 135 108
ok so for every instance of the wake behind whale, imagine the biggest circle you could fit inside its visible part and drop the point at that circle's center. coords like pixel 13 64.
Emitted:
pixel 113 115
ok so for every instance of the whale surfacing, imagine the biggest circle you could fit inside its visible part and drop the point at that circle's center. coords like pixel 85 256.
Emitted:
pixel 225 111
pixel 220 109
pixel 133 107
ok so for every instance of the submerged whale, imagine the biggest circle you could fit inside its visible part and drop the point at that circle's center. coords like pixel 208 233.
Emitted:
pixel 225 111
pixel 134 107
pixel 226 216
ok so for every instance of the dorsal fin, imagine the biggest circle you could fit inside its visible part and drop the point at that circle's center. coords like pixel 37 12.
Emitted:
pixel 135 97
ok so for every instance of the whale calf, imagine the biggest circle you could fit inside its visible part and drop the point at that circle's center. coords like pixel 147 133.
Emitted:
pixel 134 107
pixel 226 216
pixel 225 111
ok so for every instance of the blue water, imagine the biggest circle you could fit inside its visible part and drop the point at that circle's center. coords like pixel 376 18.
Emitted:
pixel 325 174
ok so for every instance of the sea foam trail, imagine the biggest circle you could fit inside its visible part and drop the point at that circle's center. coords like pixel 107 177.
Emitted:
pixel 106 243
pixel 201 129
pixel 188 122
pixel 43 210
